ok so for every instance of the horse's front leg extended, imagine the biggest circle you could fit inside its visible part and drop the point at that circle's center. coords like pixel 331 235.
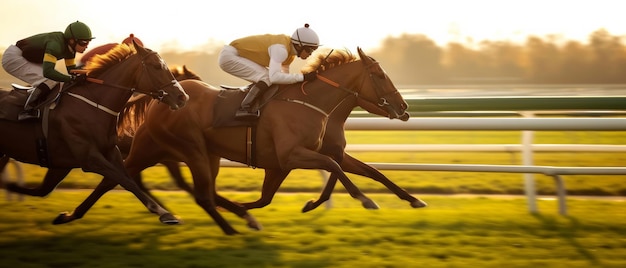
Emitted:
pixel 114 170
pixel 355 166
pixel 104 186
pixel 272 181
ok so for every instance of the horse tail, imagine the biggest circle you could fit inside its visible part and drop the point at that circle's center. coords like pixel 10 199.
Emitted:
pixel 132 116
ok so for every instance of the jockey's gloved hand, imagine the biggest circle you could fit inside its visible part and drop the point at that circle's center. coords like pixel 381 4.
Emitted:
pixel 78 78
pixel 310 76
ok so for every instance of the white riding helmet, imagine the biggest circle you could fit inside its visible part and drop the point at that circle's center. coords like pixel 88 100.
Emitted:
pixel 305 37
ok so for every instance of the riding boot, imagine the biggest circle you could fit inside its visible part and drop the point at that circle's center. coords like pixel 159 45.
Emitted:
pixel 29 107
pixel 245 111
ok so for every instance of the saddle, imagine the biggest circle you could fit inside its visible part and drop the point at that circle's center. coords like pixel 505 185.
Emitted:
pixel 12 101
pixel 229 100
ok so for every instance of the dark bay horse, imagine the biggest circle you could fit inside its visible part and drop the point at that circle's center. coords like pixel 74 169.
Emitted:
pixel 81 130
pixel 288 135
pixel 134 108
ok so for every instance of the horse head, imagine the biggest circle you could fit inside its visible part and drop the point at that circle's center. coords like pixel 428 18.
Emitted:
pixel 157 81
pixel 388 101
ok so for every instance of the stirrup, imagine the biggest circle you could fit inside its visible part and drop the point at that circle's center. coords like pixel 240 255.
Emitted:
pixel 29 114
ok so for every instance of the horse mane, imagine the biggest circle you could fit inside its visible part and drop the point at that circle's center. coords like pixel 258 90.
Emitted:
pixel 327 58
pixel 133 114
pixel 134 110
pixel 115 55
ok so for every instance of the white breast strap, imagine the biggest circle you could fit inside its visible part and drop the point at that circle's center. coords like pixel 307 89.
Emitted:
pixel 101 107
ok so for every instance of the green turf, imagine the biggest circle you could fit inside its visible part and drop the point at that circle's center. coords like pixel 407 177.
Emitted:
pixel 454 231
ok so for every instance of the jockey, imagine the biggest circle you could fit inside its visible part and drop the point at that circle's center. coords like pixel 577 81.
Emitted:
pixel 264 60
pixel 103 49
pixel 33 59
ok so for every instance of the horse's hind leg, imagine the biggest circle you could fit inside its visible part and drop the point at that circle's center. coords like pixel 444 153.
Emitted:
pixel 355 166
pixel 53 177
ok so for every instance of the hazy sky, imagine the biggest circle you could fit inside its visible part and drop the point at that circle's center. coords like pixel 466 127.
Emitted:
pixel 191 24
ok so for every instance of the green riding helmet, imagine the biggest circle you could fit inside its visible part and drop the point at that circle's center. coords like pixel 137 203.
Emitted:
pixel 78 31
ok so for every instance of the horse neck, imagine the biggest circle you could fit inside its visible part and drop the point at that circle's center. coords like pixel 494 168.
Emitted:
pixel 336 101
pixel 116 89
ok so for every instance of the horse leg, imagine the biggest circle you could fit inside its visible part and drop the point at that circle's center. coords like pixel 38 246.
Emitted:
pixel 324 195
pixel 350 187
pixel 53 177
pixel 301 157
pixel 113 168
pixel 237 209
pixel 355 166
pixel 104 186
pixel 204 190
pixel 173 168
pixel 272 181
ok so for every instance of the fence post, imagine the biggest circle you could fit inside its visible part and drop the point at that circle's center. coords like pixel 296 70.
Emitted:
pixel 527 160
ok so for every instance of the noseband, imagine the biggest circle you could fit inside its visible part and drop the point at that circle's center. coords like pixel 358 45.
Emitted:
pixel 378 88
pixel 158 93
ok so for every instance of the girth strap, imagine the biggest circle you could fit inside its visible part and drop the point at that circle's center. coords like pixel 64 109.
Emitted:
pixel 250 146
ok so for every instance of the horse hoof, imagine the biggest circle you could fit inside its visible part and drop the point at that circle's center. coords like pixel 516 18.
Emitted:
pixel 418 203
pixel 64 217
pixel 230 232
pixel 169 219
pixel 308 206
pixel 369 204
pixel 253 223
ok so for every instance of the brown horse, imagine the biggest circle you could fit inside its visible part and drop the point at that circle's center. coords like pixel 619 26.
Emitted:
pixel 80 131
pixel 333 145
pixel 136 108
pixel 288 136
pixel 125 139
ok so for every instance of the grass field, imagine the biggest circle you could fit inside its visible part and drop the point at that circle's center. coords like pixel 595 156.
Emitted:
pixel 453 231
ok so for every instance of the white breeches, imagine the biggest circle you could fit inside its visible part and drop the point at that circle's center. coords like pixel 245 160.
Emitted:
pixel 230 61
pixel 16 65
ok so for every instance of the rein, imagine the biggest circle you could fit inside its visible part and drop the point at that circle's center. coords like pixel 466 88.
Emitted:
pixel 382 101
pixel 159 96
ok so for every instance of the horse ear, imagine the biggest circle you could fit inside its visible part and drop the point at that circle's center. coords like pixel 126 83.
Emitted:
pixel 362 54
pixel 185 70
pixel 137 46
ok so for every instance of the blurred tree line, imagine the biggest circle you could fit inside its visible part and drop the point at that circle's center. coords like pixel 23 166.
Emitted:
pixel 416 59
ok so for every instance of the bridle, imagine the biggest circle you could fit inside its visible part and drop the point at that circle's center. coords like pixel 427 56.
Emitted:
pixel 157 94
pixel 378 89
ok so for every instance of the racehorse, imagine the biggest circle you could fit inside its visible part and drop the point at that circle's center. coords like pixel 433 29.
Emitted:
pixel 79 129
pixel 288 135
pixel 180 73
pixel 133 108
